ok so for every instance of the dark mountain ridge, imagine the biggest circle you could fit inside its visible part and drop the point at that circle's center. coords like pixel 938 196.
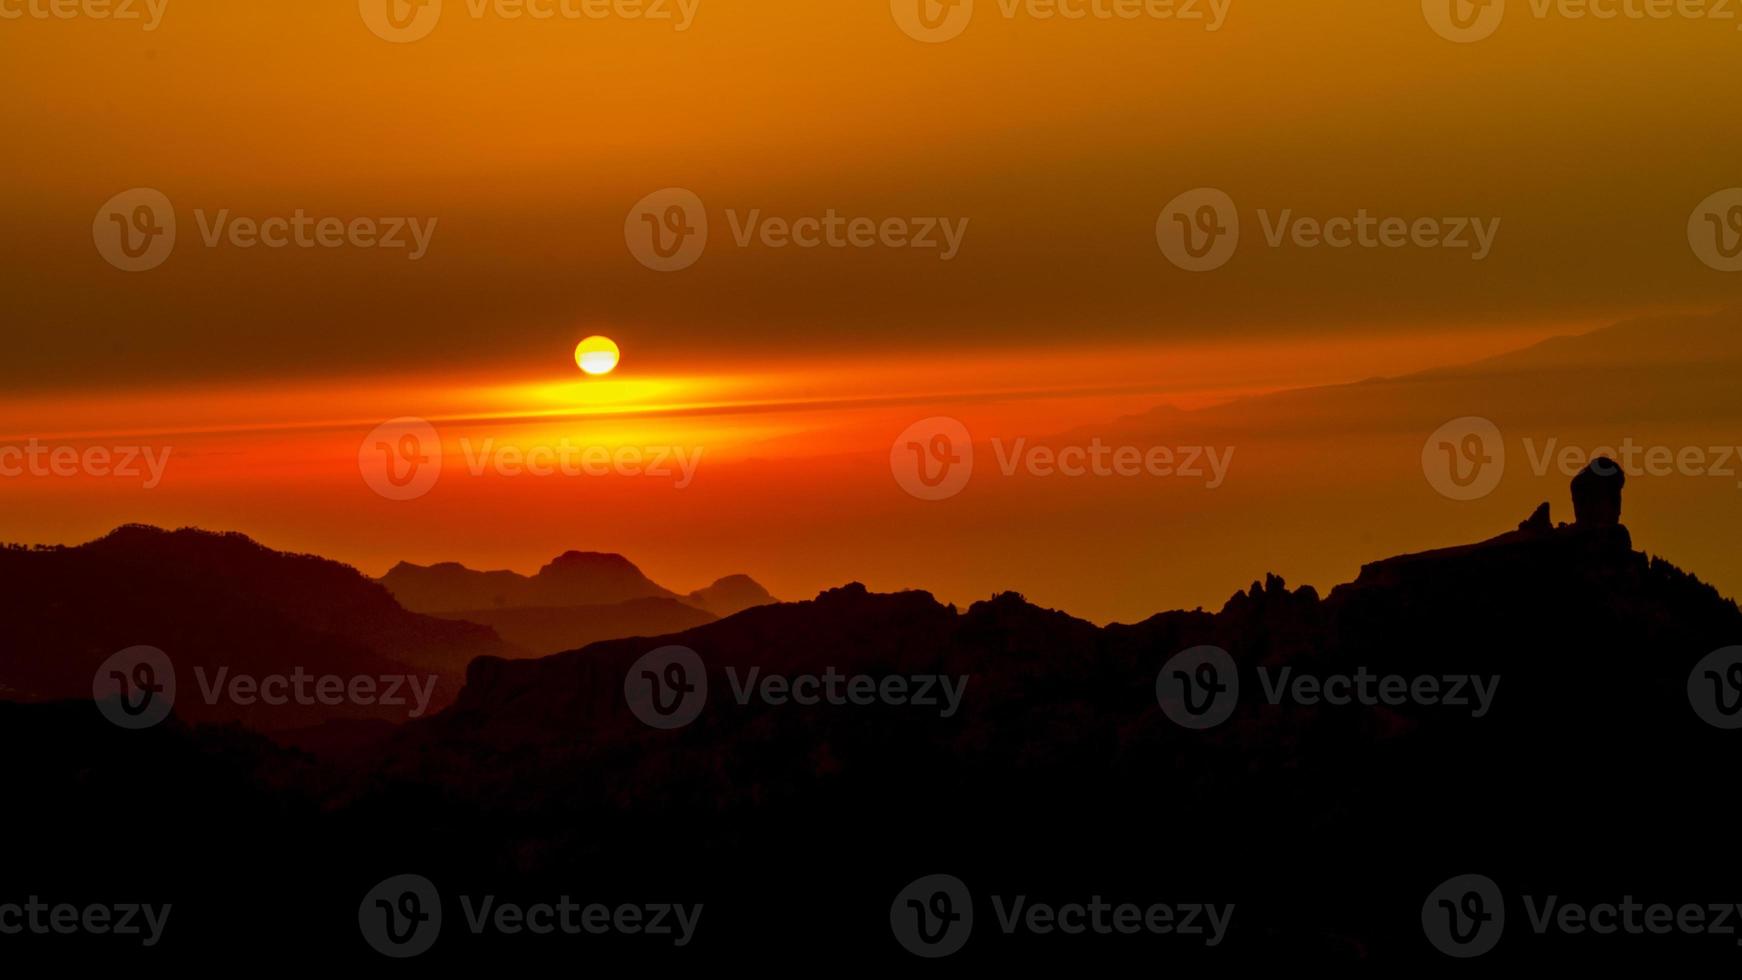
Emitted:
pixel 215 601
pixel 1584 772
pixel 572 579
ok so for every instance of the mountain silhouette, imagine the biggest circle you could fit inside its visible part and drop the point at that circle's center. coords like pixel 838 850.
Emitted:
pixel 553 629
pixel 1349 458
pixel 580 597
pixel 730 595
pixel 575 578
pixel 1059 774
pixel 216 601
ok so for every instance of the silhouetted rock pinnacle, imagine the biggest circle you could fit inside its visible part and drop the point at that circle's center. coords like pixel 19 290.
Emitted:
pixel 1539 519
pixel 1597 494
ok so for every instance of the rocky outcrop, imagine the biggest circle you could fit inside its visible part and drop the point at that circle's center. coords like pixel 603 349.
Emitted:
pixel 1597 494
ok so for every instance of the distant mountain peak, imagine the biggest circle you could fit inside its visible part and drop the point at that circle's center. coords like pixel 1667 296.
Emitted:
pixel 573 579
pixel 594 563
pixel 730 595
pixel 214 600
pixel 591 558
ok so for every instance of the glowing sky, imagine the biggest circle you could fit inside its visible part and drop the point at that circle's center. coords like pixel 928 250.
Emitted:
pixel 520 145
pixel 528 141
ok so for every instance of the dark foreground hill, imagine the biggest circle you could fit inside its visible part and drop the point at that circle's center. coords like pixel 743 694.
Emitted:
pixel 1546 736
pixel 219 603
pixel 552 629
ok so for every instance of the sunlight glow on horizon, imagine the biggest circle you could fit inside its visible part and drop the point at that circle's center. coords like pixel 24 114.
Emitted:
pixel 1121 379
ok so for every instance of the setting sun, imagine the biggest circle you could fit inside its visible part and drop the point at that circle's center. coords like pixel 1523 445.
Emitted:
pixel 597 355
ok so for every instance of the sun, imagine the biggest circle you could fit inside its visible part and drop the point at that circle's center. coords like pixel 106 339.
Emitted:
pixel 597 355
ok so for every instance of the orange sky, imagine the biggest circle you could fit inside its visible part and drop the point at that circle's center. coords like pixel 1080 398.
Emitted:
pixel 527 141
pixel 522 144
pixel 786 473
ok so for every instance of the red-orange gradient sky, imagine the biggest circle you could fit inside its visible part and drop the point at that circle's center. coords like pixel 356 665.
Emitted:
pixel 521 144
